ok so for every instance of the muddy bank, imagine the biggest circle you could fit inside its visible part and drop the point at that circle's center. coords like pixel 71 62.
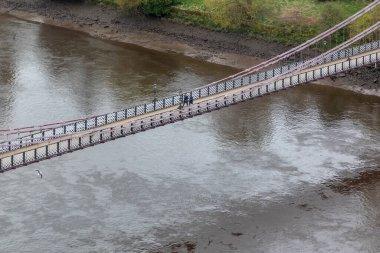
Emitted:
pixel 163 35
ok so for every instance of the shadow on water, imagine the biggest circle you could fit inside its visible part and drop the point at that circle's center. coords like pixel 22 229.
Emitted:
pixel 364 180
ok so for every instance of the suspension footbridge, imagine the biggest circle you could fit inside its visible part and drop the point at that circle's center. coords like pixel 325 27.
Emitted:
pixel 348 45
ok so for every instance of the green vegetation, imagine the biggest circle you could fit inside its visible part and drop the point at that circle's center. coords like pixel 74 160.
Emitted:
pixel 286 21
pixel 157 8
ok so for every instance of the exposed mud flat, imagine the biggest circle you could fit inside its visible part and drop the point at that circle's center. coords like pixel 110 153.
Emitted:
pixel 163 35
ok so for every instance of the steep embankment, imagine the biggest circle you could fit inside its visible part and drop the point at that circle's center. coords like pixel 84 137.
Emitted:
pixel 159 34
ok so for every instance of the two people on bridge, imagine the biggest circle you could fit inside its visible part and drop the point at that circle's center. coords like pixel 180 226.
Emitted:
pixel 186 99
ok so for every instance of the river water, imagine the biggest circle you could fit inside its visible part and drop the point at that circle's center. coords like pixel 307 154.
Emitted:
pixel 298 171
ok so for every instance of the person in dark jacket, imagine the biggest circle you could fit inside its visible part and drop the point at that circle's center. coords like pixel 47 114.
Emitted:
pixel 191 99
pixel 186 100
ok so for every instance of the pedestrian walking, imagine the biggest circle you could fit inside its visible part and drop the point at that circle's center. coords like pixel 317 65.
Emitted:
pixel 191 99
pixel 186 100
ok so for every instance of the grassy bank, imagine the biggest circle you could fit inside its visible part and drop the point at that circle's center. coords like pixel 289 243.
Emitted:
pixel 285 21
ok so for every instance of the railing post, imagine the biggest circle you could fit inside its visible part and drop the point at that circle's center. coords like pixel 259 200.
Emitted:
pixel 46 150
pixel 1 165
pixel 69 144
pixel 12 161
pixel 35 154
pixel 199 93
pixel 9 146
pixel 57 148
pixel 85 124
pixel 96 121
pixel 23 157
pixel 144 108
pixel 75 126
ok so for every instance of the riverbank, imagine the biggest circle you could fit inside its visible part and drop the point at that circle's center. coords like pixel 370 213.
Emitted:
pixel 229 49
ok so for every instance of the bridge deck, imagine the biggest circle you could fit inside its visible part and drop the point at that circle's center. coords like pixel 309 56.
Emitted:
pixel 169 109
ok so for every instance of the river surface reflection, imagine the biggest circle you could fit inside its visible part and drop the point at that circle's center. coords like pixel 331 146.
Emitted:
pixel 298 171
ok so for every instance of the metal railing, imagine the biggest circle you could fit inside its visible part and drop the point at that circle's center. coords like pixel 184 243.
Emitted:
pixel 77 141
pixel 101 120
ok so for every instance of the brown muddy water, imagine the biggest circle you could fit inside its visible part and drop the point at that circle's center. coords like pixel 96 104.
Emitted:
pixel 297 171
